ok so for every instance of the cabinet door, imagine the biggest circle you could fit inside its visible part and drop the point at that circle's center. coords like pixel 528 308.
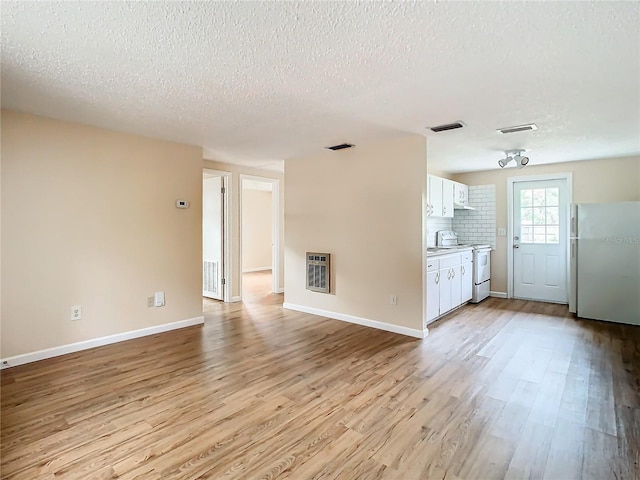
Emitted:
pixel 445 290
pixel 464 194
pixel 434 196
pixel 433 295
pixel 466 270
pixel 447 198
pixel 456 286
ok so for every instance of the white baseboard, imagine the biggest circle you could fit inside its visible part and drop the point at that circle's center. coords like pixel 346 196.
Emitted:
pixel 498 294
pixel 411 332
pixel 259 269
pixel 280 290
pixel 96 342
pixel 236 299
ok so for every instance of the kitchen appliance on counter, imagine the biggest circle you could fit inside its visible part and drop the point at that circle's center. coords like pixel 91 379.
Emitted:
pixel 481 263
pixel 605 261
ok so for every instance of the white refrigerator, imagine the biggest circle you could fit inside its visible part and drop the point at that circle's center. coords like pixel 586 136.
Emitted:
pixel 605 261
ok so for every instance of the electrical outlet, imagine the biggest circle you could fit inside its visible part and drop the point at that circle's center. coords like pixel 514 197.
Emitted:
pixel 394 300
pixel 502 232
pixel 76 312
pixel 158 299
pixel 150 301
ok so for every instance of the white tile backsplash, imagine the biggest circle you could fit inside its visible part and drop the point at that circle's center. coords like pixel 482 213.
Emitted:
pixel 479 225
pixel 434 225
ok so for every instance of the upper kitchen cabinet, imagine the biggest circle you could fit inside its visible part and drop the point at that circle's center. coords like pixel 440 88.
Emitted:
pixel 440 193
pixel 460 194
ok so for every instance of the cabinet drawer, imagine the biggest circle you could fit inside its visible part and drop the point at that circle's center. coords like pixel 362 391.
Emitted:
pixel 450 261
pixel 466 256
pixel 433 264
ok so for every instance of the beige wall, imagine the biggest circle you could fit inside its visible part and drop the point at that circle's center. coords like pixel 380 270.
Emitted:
pixel 364 206
pixel 257 225
pixel 594 181
pixel 89 218
pixel 236 171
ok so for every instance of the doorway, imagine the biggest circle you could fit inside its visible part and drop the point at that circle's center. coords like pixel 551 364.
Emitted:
pixel 215 224
pixel 259 232
pixel 539 237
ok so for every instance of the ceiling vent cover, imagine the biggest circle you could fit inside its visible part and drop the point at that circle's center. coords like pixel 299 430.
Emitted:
pixel 519 128
pixel 448 126
pixel 318 271
pixel 342 146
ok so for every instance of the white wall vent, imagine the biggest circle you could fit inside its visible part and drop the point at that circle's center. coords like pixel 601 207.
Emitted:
pixel 210 272
pixel 318 271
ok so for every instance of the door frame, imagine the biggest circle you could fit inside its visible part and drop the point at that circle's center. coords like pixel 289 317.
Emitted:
pixel 226 238
pixel 275 230
pixel 568 177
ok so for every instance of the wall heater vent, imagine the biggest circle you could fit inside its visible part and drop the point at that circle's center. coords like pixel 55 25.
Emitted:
pixel 318 271
pixel 210 274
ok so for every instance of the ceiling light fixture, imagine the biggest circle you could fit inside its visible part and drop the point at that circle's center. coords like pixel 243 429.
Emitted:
pixel 516 156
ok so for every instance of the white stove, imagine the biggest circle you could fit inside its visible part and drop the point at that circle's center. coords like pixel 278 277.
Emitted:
pixel 481 263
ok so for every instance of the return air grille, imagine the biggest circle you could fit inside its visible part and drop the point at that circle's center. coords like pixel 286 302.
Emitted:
pixel 448 126
pixel 519 128
pixel 342 146
pixel 318 272
pixel 210 277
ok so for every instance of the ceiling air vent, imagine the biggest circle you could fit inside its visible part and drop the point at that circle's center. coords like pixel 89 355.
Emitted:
pixel 519 128
pixel 342 146
pixel 448 126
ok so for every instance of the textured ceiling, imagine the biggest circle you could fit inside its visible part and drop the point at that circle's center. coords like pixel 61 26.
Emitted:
pixel 258 82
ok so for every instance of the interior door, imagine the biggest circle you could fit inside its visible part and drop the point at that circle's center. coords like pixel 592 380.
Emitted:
pixel 540 237
pixel 212 237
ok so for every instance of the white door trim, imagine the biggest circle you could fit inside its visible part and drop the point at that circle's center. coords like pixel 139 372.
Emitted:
pixel 568 176
pixel 275 231
pixel 226 209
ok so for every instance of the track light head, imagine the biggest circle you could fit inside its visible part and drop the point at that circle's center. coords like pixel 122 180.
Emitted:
pixel 522 161
pixel 504 162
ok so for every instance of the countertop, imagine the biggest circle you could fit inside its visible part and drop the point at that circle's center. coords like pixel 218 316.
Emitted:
pixel 437 251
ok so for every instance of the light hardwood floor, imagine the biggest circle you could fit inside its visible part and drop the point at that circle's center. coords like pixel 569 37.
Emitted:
pixel 503 389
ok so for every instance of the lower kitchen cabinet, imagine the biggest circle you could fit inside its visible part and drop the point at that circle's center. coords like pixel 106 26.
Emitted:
pixel 449 283
pixel 466 277
pixel 433 295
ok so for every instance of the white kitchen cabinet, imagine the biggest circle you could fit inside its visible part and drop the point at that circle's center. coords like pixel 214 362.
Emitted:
pixel 433 296
pixel 449 283
pixel 439 197
pixel 466 280
pixel 460 193
pixel 447 198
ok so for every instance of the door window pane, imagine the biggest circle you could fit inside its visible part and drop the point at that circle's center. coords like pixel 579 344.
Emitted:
pixel 539 197
pixel 539 216
pixel 526 198
pixel 527 235
pixel 552 216
pixel 553 234
pixel 527 216
pixel 552 195
pixel 539 235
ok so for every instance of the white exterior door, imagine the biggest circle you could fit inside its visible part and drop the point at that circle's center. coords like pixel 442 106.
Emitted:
pixel 540 236
pixel 212 237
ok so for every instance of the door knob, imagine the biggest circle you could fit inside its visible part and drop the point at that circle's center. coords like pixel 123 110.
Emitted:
pixel 516 246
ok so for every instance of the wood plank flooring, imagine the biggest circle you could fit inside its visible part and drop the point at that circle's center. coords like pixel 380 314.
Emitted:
pixel 503 389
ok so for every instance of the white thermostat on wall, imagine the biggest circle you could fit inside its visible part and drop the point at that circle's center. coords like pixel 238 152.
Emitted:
pixel 182 204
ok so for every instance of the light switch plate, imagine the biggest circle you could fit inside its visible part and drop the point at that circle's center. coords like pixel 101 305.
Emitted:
pixel 502 232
